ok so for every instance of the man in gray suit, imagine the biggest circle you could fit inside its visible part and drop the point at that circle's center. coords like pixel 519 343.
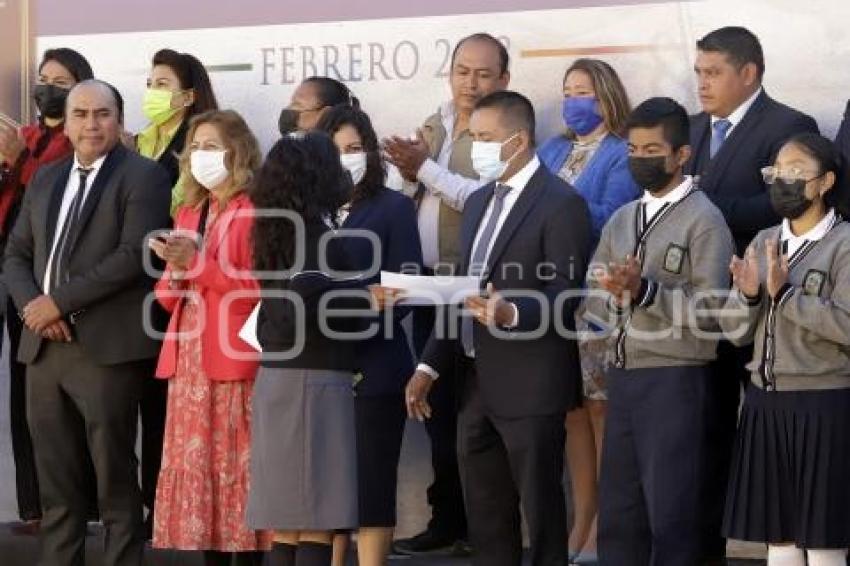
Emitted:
pixel 74 268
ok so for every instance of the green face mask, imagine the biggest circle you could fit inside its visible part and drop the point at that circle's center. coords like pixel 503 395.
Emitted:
pixel 156 106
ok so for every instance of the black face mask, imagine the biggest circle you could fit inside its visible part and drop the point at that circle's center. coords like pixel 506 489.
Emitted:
pixel 789 199
pixel 288 121
pixel 50 100
pixel 650 173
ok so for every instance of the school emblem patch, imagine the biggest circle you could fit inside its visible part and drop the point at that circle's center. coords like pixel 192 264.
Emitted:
pixel 813 282
pixel 674 258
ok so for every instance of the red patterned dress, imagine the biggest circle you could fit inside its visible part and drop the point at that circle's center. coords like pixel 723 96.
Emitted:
pixel 204 479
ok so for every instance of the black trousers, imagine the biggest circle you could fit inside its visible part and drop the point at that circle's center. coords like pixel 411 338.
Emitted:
pixel 445 495
pixel 507 464
pixel 76 408
pixel 653 461
pixel 152 412
pixel 26 479
pixel 729 376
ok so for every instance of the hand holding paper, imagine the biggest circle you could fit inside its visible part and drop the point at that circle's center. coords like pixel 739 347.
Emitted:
pixel 418 290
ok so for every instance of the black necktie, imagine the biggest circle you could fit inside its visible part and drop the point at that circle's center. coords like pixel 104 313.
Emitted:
pixel 59 271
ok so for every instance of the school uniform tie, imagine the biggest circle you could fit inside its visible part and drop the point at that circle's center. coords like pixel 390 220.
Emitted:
pixel 59 268
pixel 718 135
pixel 479 255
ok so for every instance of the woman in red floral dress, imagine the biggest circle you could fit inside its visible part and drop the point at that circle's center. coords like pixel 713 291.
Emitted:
pixel 209 290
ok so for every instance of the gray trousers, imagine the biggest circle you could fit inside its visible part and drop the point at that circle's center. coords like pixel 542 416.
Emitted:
pixel 74 408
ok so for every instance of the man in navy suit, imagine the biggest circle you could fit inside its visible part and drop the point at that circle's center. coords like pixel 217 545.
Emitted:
pixel 739 131
pixel 526 236
pixel 842 142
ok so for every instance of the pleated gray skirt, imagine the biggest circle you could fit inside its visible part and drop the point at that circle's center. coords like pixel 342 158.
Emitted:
pixel 303 451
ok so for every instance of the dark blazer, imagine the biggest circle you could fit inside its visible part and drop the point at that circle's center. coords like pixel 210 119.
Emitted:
pixel 542 247
pixel 842 142
pixel 298 333
pixel 108 285
pixel 387 364
pixel 732 180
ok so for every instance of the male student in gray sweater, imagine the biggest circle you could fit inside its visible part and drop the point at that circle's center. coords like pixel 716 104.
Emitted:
pixel 660 268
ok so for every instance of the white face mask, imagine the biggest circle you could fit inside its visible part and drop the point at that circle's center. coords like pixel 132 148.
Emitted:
pixel 354 163
pixel 487 159
pixel 208 167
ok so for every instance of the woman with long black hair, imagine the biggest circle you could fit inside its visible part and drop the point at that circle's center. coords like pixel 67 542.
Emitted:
pixel 303 448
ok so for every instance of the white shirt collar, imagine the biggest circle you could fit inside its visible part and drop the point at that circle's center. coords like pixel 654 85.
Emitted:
pixel 95 167
pixel 521 178
pixel 738 114
pixel 817 233
pixel 673 196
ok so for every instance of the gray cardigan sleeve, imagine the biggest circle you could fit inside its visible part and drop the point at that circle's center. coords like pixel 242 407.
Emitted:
pixel 598 307
pixel 827 317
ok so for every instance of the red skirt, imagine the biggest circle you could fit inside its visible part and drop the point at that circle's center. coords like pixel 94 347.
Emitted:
pixel 204 480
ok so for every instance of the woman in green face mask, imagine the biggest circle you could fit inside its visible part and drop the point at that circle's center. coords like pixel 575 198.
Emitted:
pixel 178 88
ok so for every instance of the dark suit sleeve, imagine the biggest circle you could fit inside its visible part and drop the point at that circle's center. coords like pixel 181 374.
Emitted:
pixel 440 351
pixel 146 209
pixel 842 139
pixel 18 259
pixel 752 213
pixel 404 250
pixel 566 246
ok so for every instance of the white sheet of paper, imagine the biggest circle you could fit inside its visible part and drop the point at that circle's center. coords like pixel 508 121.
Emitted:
pixel 248 332
pixel 432 290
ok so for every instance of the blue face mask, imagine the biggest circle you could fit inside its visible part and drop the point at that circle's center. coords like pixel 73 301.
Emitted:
pixel 580 115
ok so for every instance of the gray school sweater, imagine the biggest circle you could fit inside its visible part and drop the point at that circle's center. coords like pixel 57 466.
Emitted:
pixel 801 339
pixel 685 268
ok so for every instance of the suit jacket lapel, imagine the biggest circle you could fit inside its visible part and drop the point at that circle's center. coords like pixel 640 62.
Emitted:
pixel 519 211
pixel 475 214
pixel 738 137
pixel 55 204
pixel 115 157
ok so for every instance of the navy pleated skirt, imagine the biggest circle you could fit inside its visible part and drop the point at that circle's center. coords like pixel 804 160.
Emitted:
pixel 790 478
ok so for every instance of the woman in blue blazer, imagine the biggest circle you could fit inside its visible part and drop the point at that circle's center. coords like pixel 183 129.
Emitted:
pixel 385 361
pixel 593 158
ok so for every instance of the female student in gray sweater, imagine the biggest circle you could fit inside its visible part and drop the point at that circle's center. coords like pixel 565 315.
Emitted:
pixel 788 487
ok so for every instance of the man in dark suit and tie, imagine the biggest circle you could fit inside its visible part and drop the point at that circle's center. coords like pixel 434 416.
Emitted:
pixel 739 131
pixel 74 267
pixel 527 237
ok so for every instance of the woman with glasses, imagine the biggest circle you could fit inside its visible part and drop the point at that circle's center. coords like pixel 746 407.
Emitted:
pixel 791 299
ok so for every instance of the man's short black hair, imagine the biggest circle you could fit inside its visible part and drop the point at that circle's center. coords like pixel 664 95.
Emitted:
pixel 668 114
pixel 504 57
pixel 119 100
pixel 517 111
pixel 739 44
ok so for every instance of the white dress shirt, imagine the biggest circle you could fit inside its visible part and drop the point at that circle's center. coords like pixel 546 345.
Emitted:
pixel 71 189
pixel 517 183
pixel 738 114
pixel 441 185
pixel 653 204
pixel 815 234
